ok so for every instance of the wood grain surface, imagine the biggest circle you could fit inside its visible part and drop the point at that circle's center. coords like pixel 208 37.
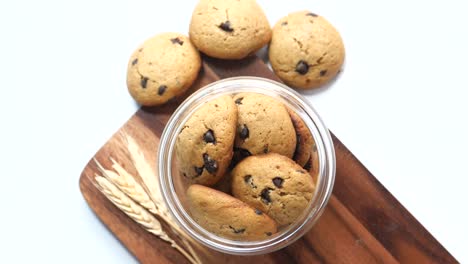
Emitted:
pixel 362 223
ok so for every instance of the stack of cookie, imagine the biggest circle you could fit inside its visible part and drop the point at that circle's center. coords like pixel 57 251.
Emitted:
pixel 250 166
pixel 305 50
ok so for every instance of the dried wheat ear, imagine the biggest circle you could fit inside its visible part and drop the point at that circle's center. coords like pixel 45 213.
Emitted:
pixel 142 203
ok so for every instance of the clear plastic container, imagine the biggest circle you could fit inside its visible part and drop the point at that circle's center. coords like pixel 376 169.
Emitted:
pixel 173 187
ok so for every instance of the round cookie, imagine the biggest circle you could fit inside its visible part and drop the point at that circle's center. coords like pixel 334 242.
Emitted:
pixel 312 165
pixel 274 184
pixel 305 141
pixel 263 126
pixel 204 146
pixel 163 67
pixel 306 51
pixel 229 29
pixel 227 216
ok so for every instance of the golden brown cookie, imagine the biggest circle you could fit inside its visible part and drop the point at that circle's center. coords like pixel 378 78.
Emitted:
pixel 263 126
pixel 274 184
pixel 305 141
pixel 306 51
pixel 204 146
pixel 163 67
pixel 312 165
pixel 227 216
pixel 229 29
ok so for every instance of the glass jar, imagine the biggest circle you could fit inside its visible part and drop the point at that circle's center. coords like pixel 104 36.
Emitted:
pixel 173 189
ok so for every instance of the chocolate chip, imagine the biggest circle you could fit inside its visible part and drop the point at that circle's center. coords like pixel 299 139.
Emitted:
pixel 265 149
pixel 177 40
pixel 185 174
pixel 265 195
pixel 198 170
pixel 284 23
pixel 268 233
pixel 144 82
pixel 308 165
pixel 135 61
pixel 323 72
pixel 209 137
pixel 258 211
pixel 244 132
pixel 301 171
pixel 210 164
pixel 162 89
pixel 247 178
pixel 302 67
pixel 312 15
pixel 278 182
pixel 239 101
pixel 237 231
pixel 226 26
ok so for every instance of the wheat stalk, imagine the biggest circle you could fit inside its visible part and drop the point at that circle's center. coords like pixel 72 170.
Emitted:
pixel 147 174
pixel 137 213
pixel 148 195
pixel 150 180
pixel 127 183
pixel 129 186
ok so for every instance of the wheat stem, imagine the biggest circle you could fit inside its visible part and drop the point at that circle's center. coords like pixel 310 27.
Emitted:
pixel 138 213
pixel 151 182
pixel 127 183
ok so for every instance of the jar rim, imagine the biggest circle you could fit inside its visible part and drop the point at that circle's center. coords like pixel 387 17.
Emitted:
pixel 325 151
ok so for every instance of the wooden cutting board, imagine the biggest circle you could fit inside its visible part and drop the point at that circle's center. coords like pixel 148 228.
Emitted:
pixel 363 222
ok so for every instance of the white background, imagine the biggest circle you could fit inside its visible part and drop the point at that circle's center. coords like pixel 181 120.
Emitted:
pixel 400 106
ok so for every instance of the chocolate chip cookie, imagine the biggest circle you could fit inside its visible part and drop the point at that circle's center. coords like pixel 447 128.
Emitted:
pixel 312 165
pixel 204 146
pixel 274 184
pixel 306 51
pixel 305 141
pixel 163 67
pixel 229 29
pixel 263 126
pixel 227 216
